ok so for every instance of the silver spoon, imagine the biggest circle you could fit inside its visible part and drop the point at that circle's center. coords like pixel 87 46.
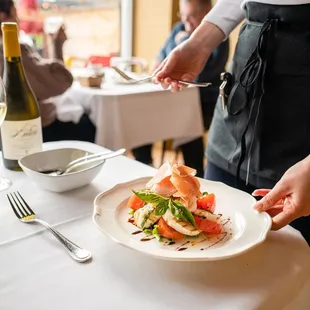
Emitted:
pixel 78 164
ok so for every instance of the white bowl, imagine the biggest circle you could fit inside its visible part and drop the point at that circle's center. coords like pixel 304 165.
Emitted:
pixel 54 159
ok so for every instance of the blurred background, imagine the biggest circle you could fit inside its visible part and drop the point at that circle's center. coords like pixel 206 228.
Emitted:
pixel 106 27
pixel 90 38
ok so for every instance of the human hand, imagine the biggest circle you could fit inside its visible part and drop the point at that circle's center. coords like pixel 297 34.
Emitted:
pixel 155 65
pixel 60 35
pixel 290 197
pixel 58 40
pixel 185 62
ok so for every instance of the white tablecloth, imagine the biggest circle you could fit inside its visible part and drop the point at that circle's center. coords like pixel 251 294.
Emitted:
pixel 36 274
pixel 133 115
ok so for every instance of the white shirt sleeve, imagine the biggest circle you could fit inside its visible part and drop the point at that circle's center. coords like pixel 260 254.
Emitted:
pixel 226 14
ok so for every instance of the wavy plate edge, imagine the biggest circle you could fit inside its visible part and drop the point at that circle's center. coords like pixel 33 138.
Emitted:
pixel 97 214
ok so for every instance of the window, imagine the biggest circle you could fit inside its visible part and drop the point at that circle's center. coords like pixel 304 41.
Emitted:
pixel 93 27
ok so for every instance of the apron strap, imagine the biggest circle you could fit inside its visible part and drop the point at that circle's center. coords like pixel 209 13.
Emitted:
pixel 252 78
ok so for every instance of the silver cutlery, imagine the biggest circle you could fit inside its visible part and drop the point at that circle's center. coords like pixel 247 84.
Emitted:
pixel 149 78
pixel 25 214
pixel 85 160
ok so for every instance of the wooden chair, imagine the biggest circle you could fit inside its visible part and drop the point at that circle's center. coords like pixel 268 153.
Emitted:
pixel 167 146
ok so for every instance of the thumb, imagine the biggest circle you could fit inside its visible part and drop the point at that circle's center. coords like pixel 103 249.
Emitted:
pixel 272 198
pixel 167 66
pixel 159 67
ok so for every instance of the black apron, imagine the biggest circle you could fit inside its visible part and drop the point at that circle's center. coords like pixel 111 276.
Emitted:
pixel 265 127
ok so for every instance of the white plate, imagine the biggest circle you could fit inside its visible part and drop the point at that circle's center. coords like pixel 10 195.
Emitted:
pixel 244 228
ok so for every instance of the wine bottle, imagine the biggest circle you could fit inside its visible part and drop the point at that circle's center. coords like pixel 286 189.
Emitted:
pixel 21 131
pixel 2 111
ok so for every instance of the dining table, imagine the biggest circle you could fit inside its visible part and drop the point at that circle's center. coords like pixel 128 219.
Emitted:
pixel 36 273
pixel 132 115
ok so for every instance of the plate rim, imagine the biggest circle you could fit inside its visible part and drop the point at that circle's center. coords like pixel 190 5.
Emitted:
pixel 244 249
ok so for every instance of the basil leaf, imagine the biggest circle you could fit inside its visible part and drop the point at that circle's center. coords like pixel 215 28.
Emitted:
pixel 181 212
pixel 153 232
pixel 148 231
pixel 162 207
pixel 149 197
pixel 205 193
pixel 156 233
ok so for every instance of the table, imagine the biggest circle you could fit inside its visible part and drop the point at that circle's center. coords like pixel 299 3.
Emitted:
pixel 36 274
pixel 133 115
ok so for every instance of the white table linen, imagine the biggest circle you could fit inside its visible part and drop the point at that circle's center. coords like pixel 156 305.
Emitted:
pixel 133 115
pixel 36 274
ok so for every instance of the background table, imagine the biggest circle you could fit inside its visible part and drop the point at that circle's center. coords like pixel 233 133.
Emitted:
pixel 133 115
pixel 36 274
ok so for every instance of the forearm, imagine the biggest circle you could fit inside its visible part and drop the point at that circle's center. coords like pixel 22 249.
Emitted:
pixel 207 37
pixel 217 25
pixel 47 78
pixel 55 50
pixel 226 14
pixel 58 51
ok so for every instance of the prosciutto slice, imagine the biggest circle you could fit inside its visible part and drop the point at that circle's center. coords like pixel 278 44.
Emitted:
pixel 163 172
pixel 179 181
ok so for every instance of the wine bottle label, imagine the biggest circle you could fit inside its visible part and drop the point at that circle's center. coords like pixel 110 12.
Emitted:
pixel 20 138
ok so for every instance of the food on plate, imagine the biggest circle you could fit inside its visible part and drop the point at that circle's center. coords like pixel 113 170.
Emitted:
pixel 172 205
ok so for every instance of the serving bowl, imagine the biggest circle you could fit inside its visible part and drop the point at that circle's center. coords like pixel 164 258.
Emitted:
pixel 34 164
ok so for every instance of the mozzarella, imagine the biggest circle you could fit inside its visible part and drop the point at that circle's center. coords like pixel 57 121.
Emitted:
pixel 180 226
pixel 207 215
pixel 145 217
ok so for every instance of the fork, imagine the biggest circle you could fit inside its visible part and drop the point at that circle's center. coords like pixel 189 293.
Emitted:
pixel 25 214
pixel 149 78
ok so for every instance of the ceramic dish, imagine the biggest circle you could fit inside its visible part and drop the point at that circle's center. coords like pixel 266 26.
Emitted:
pixel 58 158
pixel 244 228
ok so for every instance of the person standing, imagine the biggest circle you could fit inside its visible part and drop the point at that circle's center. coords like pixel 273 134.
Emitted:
pixel 259 136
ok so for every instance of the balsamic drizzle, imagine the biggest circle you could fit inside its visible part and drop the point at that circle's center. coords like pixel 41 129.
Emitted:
pixel 215 243
pixel 137 232
pixel 186 245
